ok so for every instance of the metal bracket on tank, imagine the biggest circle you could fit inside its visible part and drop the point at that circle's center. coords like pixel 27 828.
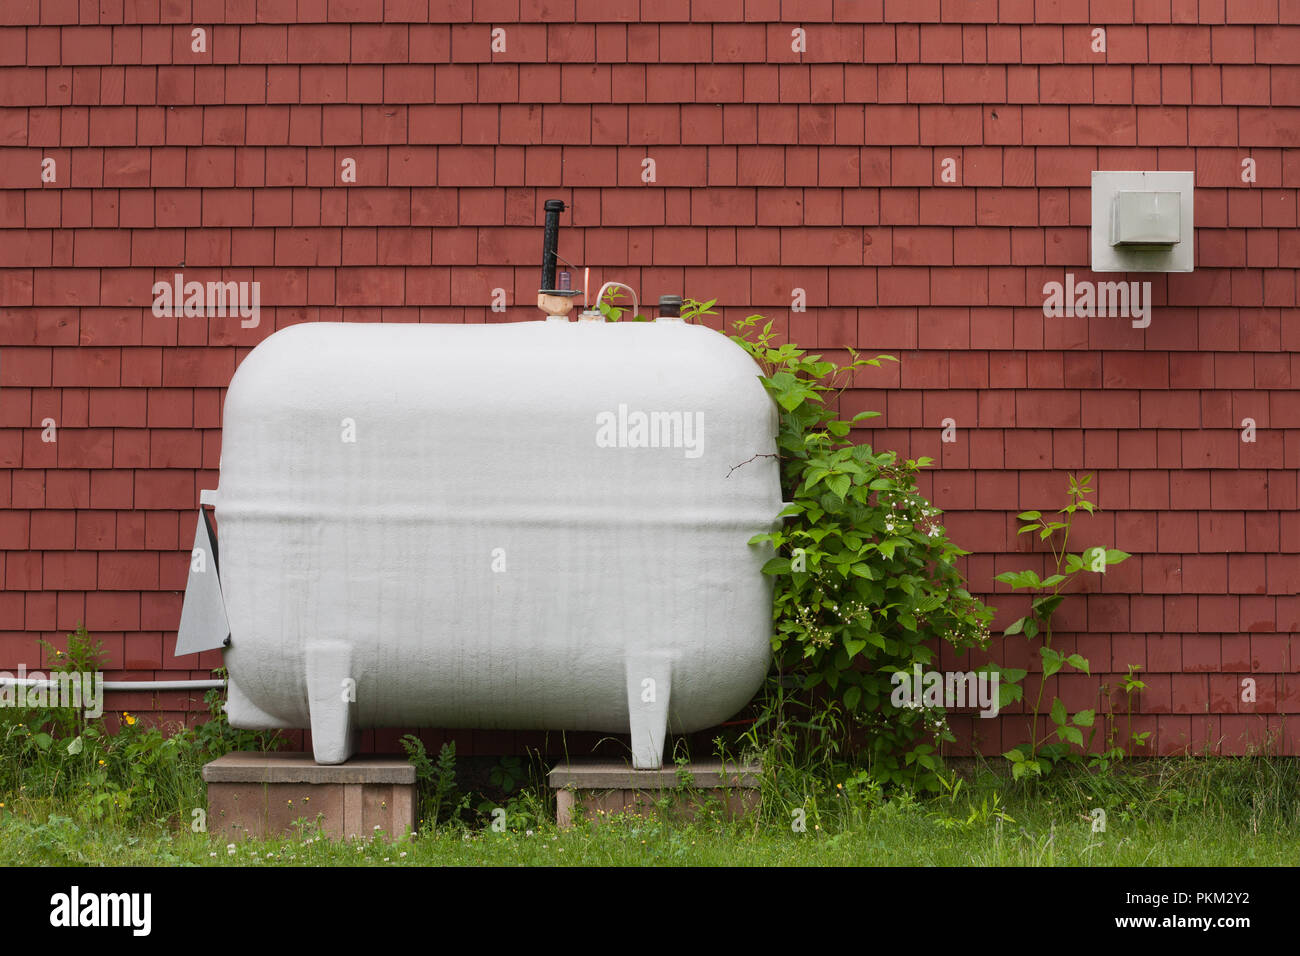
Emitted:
pixel 204 625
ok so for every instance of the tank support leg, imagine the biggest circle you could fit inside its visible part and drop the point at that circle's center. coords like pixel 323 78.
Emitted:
pixel 649 685
pixel 331 700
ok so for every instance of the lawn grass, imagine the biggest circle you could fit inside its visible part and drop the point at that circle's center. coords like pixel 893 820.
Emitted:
pixel 1176 812
pixel 73 794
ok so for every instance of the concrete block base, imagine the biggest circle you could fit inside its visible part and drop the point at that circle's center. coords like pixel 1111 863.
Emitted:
pixel 599 788
pixel 259 795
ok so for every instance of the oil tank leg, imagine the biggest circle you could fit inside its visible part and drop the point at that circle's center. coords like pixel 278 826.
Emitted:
pixel 331 700
pixel 649 684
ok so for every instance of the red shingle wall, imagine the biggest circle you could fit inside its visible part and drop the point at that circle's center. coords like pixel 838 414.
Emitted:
pixel 775 170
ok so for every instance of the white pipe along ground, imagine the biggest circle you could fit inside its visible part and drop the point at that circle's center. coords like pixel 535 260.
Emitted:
pixel 124 684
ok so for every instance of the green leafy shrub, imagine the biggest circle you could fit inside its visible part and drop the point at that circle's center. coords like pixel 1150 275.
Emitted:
pixel 864 575
pixel 1037 757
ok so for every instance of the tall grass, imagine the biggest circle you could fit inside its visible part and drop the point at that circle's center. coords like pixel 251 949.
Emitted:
pixel 56 761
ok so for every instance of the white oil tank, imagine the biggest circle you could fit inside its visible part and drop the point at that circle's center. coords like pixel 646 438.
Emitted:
pixel 529 525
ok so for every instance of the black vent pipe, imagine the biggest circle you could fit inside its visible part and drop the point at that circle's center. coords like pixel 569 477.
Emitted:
pixel 550 243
